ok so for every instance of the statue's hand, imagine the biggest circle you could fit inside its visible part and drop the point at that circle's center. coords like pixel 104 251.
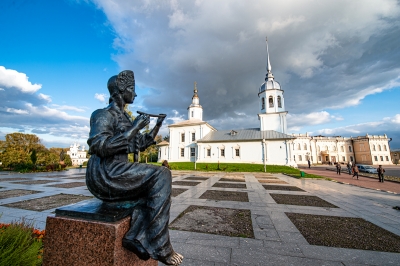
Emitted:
pixel 141 121
pixel 160 121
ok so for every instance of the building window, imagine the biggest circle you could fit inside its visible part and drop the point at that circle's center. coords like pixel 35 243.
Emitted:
pixel 305 146
pixel 327 158
pixel 334 148
pixel 279 102
pixel 351 158
pixel 182 152
pixel 362 148
pixel 343 158
pixel 326 148
pixel 208 152
pixel 363 158
pixel 350 149
pixel 298 146
pixel 379 147
pixel 237 151
pixel 271 101
pixel 183 137
pixel 192 152
pixel 341 148
pixel 262 103
pixel 387 157
pixel 384 148
pixel 381 158
pixel 222 152
pixel 319 158
pixel 300 159
pixel 294 157
pixel 376 158
pixel 192 113
pixel 193 136
pixel 312 159
pixel 373 148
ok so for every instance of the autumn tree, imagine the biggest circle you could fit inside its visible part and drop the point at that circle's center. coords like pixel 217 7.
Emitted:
pixel 17 148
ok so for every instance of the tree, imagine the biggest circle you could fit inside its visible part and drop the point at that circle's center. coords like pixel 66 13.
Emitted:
pixel 166 138
pixel 67 160
pixel 17 148
pixel 33 157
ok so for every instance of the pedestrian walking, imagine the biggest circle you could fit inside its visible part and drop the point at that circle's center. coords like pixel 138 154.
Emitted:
pixel 309 163
pixel 355 171
pixel 349 168
pixel 338 168
pixel 380 173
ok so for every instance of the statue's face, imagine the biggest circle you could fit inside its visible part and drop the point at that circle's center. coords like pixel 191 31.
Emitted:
pixel 129 94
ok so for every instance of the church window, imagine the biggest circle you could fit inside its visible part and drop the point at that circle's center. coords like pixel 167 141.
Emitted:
pixel 350 149
pixel 326 148
pixel 373 148
pixel 379 148
pixel 183 137
pixel 192 152
pixel 343 158
pixel 192 113
pixel 387 158
pixel 362 148
pixel 384 148
pixel 319 158
pixel 262 103
pixel 193 136
pixel 279 102
pixel 271 101
pixel 182 152
pixel 300 159
pixel 208 152
pixel 305 146
pixel 237 151
pixel 222 152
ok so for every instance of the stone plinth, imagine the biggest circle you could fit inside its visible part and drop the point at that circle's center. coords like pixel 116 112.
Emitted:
pixel 79 241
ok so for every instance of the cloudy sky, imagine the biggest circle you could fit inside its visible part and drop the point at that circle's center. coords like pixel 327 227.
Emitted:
pixel 337 61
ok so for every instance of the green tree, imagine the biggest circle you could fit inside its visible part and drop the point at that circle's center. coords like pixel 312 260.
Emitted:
pixel 67 160
pixel 17 148
pixel 33 157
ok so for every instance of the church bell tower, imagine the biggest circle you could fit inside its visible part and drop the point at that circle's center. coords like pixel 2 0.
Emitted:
pixel 195 111
pixel 272 114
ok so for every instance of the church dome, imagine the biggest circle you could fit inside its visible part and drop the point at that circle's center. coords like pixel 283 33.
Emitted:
pixel 270 85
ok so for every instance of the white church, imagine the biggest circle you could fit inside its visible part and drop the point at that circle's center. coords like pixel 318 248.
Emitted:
pixel 195 140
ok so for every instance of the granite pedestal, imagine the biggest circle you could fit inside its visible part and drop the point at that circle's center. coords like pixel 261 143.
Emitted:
pixel 90 233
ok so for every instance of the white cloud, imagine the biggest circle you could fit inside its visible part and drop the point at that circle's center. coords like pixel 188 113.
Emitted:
pixel 69 108
pixel 12 79
pixel 17 111
pixel 314 118
pixel 45 97
pixel 1 89
pixel 101 97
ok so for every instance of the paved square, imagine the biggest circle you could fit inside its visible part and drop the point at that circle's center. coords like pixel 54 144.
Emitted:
pixel 301 200
pixel 277 240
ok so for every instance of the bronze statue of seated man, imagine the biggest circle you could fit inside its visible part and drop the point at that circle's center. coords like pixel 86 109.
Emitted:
pixel 112 178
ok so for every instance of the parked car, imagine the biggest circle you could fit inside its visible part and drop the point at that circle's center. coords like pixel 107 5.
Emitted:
pixel 367 169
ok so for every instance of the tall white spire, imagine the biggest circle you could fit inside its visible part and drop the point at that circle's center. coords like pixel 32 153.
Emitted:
pixel 269 75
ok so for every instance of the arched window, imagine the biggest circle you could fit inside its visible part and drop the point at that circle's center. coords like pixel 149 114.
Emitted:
pixel 384 148
pixel 350 149
pixel 262 103
pixel 298 146
pixel 373 148
pixel 379 147
pixel 305 146
pixel 271 101
pixel 279 102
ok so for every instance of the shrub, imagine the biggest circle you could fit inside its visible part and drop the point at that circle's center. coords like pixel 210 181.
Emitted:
pixel 20 244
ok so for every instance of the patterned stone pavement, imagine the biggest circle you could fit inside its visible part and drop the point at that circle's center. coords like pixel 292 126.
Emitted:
pixel 276 240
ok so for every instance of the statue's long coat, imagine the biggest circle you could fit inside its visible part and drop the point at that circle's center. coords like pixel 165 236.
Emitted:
pixel 111 177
